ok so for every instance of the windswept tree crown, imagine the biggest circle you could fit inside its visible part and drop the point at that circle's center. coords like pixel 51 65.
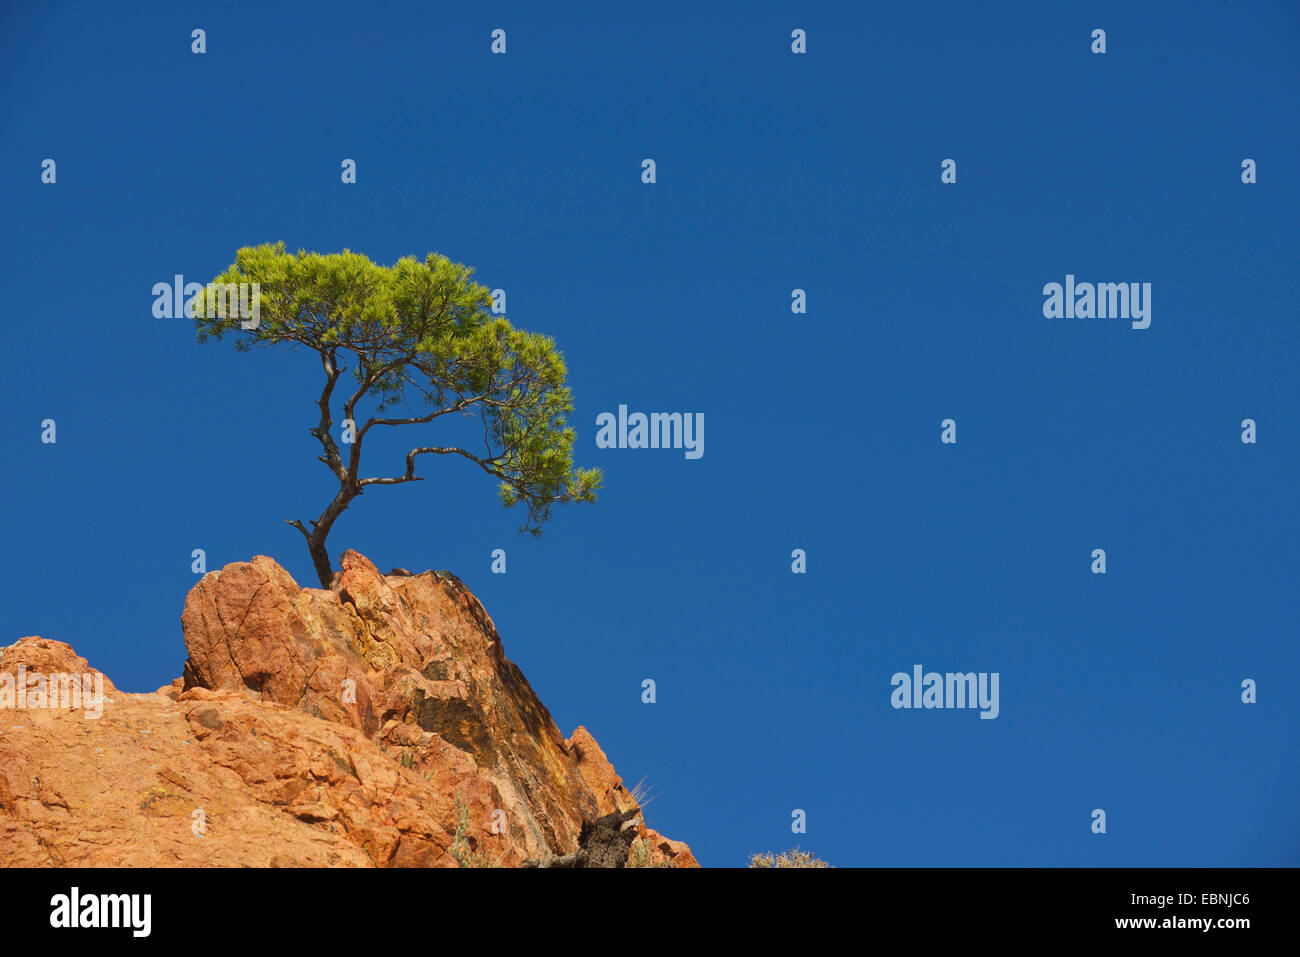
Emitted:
pixel 415 334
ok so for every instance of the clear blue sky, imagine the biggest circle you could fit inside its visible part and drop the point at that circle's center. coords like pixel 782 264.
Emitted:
pixel 775 172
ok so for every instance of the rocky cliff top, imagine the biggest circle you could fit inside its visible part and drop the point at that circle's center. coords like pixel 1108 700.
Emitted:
pixel 376 723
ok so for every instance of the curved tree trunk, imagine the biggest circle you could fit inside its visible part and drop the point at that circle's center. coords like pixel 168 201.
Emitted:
pixel 321 559
pixel 320 530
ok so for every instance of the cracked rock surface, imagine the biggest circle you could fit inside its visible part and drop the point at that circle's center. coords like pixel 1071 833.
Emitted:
pixel 374 723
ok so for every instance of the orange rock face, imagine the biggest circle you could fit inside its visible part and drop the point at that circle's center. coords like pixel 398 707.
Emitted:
pixel 377 723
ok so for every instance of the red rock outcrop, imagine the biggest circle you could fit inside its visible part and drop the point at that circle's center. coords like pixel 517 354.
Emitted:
pixel 376 723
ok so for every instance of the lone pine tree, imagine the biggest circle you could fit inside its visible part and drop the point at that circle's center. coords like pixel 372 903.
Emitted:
pixel 419 331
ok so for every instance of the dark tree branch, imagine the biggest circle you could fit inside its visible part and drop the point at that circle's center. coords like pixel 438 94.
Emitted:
pixel 331 458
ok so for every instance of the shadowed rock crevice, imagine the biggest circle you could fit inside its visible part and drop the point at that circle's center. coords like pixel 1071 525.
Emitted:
pixel 604 842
